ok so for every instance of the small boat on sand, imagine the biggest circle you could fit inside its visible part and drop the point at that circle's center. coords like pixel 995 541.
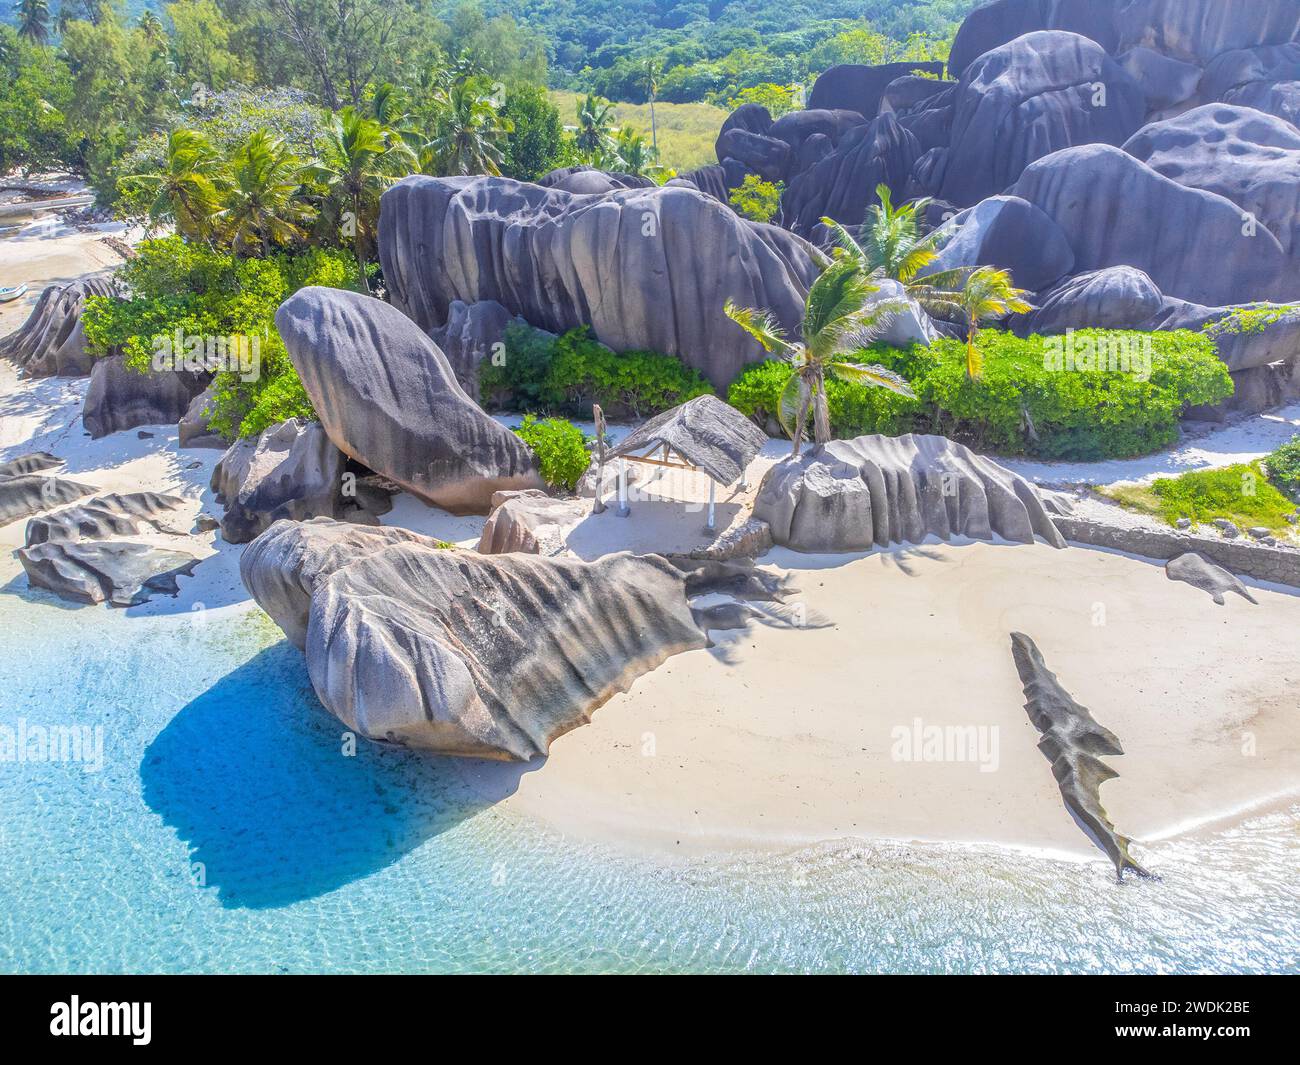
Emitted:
pixel 12 293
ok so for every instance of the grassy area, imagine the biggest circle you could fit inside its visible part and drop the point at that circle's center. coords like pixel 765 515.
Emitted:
pixel 1242 494
pixel 686 131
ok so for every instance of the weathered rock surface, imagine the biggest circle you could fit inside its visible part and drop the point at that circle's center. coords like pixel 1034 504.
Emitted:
pixel 1116 211
pixel 35 462
pixel 1073 742
pixel 119 398
pixel 645 268
pixel 993 25
pixel 842 185
pixel 588 181
pixel 51 342
pixel 112 514
pixel 1119 297
pixel 1201 573
pixel 1200 30
pixel 853 495
pixel 388 398
pixel 28 494
pixel 119 572
pixel 710 180
pixel 291 470
pixel 857 87
pixel 281 567
pixel 1164 81
pixel 470 335
pixel 194 428
pixel 1028 98
pixel 1011 234
pixel 528 522
pixel 1279 99
pixel 1265 65
pixel 765 156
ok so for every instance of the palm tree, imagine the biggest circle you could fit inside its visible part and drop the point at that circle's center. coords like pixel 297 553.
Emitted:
pixel 152 27
pixel 595 136
pixel 986 292
pixel 634 155
pixel 260 205
pixel 357 163
pixel 837 322
pixel 33 17
pixel 186 189
pixel 469 133
pixel 653 68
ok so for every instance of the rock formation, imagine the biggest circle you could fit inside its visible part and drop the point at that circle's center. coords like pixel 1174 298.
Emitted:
pixel 51 342
pixel 1201 573
pixel 852 87
pixel 93 571
pixel 530 522
pixel 853 495
pixel 26 494
pixel 645 268
pixel 104 516
pixel 194 428
pixel 1073 743
pixel 387 397
pixel 1010 234
pixel 35 462
pixel 471 334
pixel 120 398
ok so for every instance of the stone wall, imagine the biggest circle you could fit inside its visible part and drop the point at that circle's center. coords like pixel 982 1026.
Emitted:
pixel 1241 556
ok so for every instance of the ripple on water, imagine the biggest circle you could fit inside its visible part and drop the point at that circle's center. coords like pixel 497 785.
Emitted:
pixel 218 758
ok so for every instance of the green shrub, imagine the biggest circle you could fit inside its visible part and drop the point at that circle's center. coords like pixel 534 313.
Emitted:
pixel 177 286
pixel 1283 467
pixel 756 199
pixel 560 447
pixel 1022 404
pixel 570 373
pixel 1242 494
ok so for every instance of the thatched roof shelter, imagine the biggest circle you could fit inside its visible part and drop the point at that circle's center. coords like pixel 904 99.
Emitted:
pixel 703 434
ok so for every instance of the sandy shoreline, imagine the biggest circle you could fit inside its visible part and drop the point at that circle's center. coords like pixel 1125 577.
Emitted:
pixel 780 737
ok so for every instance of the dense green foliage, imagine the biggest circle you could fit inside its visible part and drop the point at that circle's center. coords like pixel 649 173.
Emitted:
pixel 569 373
pixel 560 447
pixel 1019 405
pixel 1283 467
pixel 1241 494
pixel 756 199
pixel 175 286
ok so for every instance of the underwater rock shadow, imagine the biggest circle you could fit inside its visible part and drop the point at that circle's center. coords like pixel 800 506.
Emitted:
pixel 252 776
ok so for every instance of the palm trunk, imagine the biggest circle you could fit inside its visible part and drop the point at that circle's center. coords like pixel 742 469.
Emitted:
pixel 821 411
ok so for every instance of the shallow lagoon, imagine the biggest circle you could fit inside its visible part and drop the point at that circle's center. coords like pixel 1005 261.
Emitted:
pixel 228 831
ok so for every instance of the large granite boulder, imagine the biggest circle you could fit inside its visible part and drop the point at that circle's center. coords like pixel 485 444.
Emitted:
pixel 1198 31
pixel 993 25
pixel 753 118
pixel 797 127
pixel 531 522
pixel 1031 97
pixel 1248 157
pixel 710 180
pixel 32 462
pixel 485 656
pixel 1011 234
pixel 853 495
pixel 473 332
pixel 25 494
pixel 52 342
pixel 117 572
pixel 1116 211
pixel 121 398
pixel 907 326
pixel 765 156
pixel 290 470
pixel 1266 65
pixel 387 397
pixel 842 185
pixel 103 517
pixel 645 268
pixel 1165 81
pixel 1118 297
pixel 1280 99
pixel 857 87
pixel 195 426
pixel 930 119
pixel 588 181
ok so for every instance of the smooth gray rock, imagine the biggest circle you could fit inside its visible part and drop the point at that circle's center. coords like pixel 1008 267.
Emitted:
pixel 291 470
pixel 1268 338
pixel 797 127
pixel 1119 297
pixel 1073 742
pixel 588 181
pixel 520 521
pixel 488 656
pixel 281 567
pixel 1280 99
pixel 1241 154
pixel 1078 187
pixel 911 91
pixel 119 573
pixel 28 494
pixel 112 514
pixel 767 157
pixel 1011 234
pixel 34 462
pixel 194 428
pixel 1029 98
pixel 1201 573
pixel 859 87
pixel 993 25
pixel 930 120
pixel 853 495
pixel 119 398
pixel 1257 61
pixel 645 268
pixel 905 327
pixel 51 342
pixel 470 335
pixel 753 118
pixel 1164 81
pixel 842 185
pixel 710 180
pixel 1229 529
pixel 388 398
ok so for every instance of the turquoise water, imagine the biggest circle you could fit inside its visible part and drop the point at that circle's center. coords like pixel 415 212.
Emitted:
pixel 227 831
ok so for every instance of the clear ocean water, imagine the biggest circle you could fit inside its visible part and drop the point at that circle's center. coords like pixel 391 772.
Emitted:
pixel 226 831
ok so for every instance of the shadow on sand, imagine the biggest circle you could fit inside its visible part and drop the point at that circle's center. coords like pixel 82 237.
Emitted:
pixel 252 775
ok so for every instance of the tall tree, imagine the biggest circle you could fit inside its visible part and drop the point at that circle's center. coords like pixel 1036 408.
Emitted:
pixel 185 190
pixel 33 20
pixel 653 70
pixel 596 125
pixel 838 321
pixel 470 133
pixel 260 205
